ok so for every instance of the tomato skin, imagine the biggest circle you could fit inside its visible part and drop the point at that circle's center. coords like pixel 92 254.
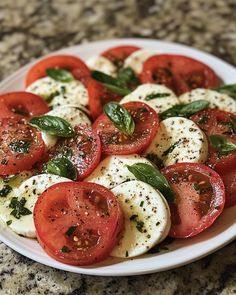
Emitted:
pixel 33 105
pixel 118 54
pixel 85 147
pixel 229 179
pixel 191 213
pixel 98 97
pixel 114 142
pixel 67 62
pixel 75 204
pixel 178 72
pixel 13 162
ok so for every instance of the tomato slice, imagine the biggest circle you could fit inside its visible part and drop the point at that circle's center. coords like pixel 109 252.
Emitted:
pixel 83 150
pixel 178 72
pixel 200 198
pixel 67 62
pixel 119 53
pixel 22 105
pixel 78 223
pixel 229 179
pixel 99 95
pixel 114 142
pixel 21 146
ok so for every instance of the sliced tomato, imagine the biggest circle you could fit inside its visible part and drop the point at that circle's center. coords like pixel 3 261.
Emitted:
pixel 229 179
pixel 83 150
pixel 116 142
pixel 78 223
pixel 67 62
pixel 200 198
pixel 178 72
pixel 21 146
pixel 119 53
pixel 99 95
pixel 22 105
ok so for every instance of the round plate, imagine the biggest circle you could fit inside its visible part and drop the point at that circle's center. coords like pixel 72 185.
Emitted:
pixel 180 251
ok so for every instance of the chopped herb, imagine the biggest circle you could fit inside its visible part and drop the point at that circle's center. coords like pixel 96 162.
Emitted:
pixel 6 189
pixel 196 187
pixel 141 203
pixel 4 162
pixel 71 230
pixel 171 148
pixel 9 222
pixel 20 146
pixel 50 97
pixel 18 208
pixel 156 95
pixel 222 145
pixel 61 75
pixel 133 217
pixel 203 120
pixel 140 225
pixel 158 223
pixel 65 249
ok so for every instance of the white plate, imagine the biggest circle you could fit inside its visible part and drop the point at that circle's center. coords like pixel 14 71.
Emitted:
pixel 181 251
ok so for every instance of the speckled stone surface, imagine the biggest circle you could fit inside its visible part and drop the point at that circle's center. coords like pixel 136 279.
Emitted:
pixel 30 29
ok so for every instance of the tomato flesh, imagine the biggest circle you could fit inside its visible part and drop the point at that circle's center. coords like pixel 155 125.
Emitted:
pixel 200 198
pixel 116 142
pixel 83 150
pixel 78 223
pixel 68 62
pixel 21 146
pixel 180 73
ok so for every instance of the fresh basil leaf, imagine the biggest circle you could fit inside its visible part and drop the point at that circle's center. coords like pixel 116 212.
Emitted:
pixel 62 167
pixel 222 145
pixel 20 146
pixel 19 208
pixel 120 117
pixel 50 97
pixel 53 125
pixel 227 89
pixel 6 189
pixel 156 95
pixel 185 110
pixel 127 76
pixel 71 230
pixel 61 75
pixel 113 84
pixel 152 176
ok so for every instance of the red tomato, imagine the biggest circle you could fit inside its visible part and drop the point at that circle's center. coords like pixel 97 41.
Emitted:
pixel 78 223
pixel 22 105
pixel 200 198
pixel 99 95
pixel 214 121
pixel 229 179
pixel 67 62
pixel 180 73
pixel 21 146
pixel 115 142
pixel 83 150
pixel 119 53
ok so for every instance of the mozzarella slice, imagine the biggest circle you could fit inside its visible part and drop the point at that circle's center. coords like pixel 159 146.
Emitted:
pixel 147 218
pixel 30 190
pixel 102 64
pixel 72 114
pixel 59 93
pixel 179 140
pixel 216 99
pixel 113 171
pixel 166 98
pixel 136 59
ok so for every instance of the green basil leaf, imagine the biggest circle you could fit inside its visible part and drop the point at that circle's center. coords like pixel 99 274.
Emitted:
pixel 227 89
pixel 19 208
pixel 185 110
pixel 6 189
pixel 222 145
pixel 71 230
pixel 152 176
pixel 156 95
pixel 61 75
pixel 127 77
pixel 171 148
pixel 62 167
pixel 65 249
pixel 53 125
pixel 120 117
pixel 20 146
pixel 113 84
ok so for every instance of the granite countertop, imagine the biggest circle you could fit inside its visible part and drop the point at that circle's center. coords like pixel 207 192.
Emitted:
pixel 30 29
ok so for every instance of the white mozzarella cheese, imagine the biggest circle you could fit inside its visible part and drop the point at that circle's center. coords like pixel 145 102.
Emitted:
pixel 30 190
pixel 179 140
pixel 216 99
pixel 146 218
pixel 166 98
pixel 136 59
pixel 59 93
pixel 113 171
pixel 102 64
pixel 72 114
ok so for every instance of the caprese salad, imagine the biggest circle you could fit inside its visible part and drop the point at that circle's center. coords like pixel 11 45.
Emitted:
pixel 111 157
